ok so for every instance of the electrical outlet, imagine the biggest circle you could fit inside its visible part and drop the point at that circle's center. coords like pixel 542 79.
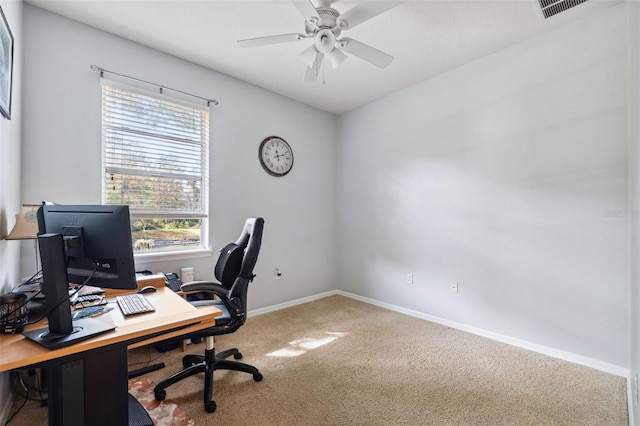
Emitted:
pixel 409 278
pixel 277 273
pixel 187 274
pixel 453 286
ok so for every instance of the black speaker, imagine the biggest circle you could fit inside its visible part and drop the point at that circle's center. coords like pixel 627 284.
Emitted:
pixel 13 313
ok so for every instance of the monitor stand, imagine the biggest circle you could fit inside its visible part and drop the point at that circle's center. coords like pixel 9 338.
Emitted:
pixel 82 329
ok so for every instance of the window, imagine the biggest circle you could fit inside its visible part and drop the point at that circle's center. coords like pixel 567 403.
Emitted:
pixel 155 159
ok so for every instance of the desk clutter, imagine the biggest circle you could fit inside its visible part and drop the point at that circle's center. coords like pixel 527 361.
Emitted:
pixel 171 280
pixel 13 313
pixel 27 301
pixel 92 311
pixel 84 364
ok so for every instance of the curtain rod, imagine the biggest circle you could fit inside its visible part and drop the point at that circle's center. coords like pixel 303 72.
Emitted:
pixel 160 87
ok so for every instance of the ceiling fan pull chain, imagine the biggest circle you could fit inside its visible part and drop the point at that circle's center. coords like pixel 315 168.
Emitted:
pixel 323 81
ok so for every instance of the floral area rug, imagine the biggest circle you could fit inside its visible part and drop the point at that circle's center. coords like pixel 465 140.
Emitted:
pixel 163 413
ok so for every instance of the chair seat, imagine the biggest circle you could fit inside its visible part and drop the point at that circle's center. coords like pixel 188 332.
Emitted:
pixel 223 319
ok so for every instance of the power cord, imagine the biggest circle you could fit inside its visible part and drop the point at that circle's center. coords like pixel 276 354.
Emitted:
pixel 19 307
pixel 60 302
pixel 149 360
pixel 17 377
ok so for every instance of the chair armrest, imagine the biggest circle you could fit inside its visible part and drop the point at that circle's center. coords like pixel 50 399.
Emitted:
pixel 233 305
pixel 205 287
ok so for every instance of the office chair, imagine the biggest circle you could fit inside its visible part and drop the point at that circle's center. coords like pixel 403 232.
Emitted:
pixel 234 270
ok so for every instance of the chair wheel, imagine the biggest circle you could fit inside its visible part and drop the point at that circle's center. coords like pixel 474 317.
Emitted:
pixel 210 406
pixel 237 356
pixel 257 377
pixel 160 394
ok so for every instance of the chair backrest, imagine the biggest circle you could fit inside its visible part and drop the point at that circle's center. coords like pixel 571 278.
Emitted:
pixel 229 264
pixel 251 240
pixel 236 277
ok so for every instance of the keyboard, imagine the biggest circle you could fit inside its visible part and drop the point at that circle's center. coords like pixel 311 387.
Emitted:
pixel 132 304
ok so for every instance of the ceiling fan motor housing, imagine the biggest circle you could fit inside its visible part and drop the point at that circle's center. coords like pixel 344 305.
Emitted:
pixel 327 19
pixel 324 30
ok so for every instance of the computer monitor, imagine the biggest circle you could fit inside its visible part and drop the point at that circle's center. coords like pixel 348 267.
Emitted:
pixel 97 239
pixel 61 330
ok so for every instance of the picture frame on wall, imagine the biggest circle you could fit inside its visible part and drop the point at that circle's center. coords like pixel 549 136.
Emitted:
pixel 6 66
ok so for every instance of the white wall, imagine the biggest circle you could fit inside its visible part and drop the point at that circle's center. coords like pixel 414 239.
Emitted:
pixel 62 143
pixel 634 208
pixel 508 175
pixel 10 153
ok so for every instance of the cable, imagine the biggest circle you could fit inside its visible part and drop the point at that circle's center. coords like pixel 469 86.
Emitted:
pixel 16 377
pixel 18 410
pixel 64 299
pixel 5 316
pixel 29 281
pixel 36 388
pixel 149 360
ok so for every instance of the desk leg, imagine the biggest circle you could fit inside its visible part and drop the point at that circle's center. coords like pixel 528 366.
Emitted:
pixel 90 390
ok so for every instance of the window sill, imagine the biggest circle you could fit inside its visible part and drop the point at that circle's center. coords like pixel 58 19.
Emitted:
pixel 171 255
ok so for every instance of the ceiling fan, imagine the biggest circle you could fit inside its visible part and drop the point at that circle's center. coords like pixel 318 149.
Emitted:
pixel 323 26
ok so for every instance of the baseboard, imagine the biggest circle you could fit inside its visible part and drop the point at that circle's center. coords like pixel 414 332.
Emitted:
pixel 631 404
pixel 534 347
pixel 273 308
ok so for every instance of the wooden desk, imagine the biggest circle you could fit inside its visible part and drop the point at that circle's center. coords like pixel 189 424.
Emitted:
pixel 98 366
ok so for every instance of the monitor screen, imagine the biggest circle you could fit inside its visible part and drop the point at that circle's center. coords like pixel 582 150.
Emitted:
pixel 97 242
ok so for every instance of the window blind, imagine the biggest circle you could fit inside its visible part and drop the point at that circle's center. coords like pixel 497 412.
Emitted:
pixel 155 154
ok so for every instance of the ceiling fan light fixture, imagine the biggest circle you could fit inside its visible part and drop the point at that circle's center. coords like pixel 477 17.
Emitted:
pixel 336 57
pixel 309 55
pixel 312 71
pixel 325 41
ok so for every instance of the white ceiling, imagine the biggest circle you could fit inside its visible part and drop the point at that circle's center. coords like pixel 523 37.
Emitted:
pixel 426 37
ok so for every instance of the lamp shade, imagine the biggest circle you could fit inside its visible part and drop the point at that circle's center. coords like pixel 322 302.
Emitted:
pixel 26 227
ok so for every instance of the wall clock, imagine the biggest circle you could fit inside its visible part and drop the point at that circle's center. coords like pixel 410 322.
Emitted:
pixel 276 156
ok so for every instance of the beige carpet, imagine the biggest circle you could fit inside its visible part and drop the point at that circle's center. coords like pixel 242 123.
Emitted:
pixel 338 361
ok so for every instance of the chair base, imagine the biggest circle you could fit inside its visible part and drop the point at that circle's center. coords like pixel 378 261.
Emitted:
pixel 207 364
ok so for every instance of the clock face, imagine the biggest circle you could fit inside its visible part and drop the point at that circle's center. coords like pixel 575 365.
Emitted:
pixel 276 156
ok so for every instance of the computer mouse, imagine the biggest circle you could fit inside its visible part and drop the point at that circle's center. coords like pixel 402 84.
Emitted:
pixel 147 289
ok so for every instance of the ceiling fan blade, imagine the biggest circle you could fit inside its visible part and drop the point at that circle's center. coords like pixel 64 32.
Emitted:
pixel 306 9
pixel 311 72
pixel 363 12
pixel 366 53
pixel 274 39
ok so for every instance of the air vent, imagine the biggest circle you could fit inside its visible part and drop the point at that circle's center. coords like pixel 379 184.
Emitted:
pixel 553 7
